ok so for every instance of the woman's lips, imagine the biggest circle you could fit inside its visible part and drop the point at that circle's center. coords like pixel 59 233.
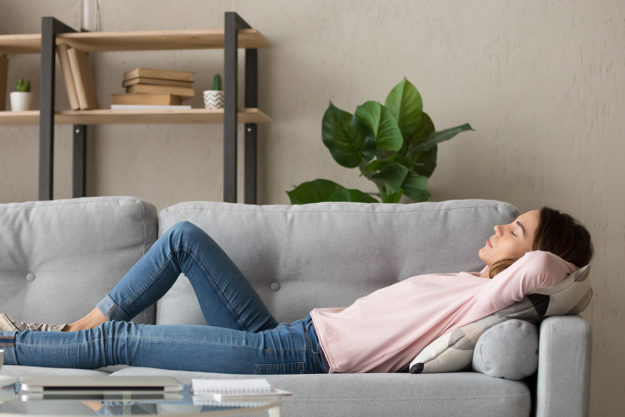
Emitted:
pixel 488 243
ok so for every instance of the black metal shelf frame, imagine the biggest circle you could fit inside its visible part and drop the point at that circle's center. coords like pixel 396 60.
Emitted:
pixel 51 26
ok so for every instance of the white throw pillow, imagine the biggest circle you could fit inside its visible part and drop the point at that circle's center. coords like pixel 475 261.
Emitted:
pixel 453 351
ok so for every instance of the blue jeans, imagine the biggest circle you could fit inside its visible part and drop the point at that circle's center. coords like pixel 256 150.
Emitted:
pixel 241 336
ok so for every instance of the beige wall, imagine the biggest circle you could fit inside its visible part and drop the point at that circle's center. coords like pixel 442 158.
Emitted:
pixel 542 83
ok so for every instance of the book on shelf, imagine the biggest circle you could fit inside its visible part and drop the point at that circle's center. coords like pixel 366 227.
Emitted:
pixel 157 81
pixel 83 79
pixel 160 99
pixel 148 106
pixel 184 92
pixel 234 390
pixel 70 87
pixel 158 73
pixel 4 73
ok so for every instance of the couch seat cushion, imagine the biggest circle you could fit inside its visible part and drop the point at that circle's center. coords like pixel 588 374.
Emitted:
pixel 400 394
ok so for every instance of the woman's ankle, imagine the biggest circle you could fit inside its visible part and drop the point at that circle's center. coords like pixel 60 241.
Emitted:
pixel 91 320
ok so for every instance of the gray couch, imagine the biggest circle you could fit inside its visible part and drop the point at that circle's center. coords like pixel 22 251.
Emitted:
pixel 58 258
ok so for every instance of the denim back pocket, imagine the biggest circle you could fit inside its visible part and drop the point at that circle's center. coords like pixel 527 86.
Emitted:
pixel 279 368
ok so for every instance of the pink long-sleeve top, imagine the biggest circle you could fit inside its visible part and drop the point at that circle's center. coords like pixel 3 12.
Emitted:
pixel 383 331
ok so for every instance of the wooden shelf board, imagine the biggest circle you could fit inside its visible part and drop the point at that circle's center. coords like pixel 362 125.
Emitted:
pixel 20 44
pixel 134 41
pixel 159 40
pixel 109 116
pixel 19 117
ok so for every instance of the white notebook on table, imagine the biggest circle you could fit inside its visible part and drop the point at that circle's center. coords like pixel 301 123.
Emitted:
pixel 234 389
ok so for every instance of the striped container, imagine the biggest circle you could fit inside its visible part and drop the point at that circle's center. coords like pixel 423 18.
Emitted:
pixel 213 99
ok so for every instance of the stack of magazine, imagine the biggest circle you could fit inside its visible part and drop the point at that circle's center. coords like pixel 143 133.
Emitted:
pixel 235 392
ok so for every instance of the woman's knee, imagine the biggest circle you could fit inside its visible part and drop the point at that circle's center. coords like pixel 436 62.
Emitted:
pixel 184 226
pixel 109 327
pixel 186 229
pixel 114 329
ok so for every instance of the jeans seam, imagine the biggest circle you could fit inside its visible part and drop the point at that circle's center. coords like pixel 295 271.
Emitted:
pixel 127 337
pixel 301 365
pixel 285 350
pixel 111 309
pixel 143 289
pixel 215 287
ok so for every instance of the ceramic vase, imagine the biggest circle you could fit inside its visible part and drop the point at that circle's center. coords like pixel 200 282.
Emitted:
pixel 21 101
pixel 214 99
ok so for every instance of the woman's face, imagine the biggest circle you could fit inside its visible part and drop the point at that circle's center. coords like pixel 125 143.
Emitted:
pixel 511 240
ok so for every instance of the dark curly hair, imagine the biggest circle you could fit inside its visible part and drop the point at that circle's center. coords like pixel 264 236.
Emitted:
pixel 560 234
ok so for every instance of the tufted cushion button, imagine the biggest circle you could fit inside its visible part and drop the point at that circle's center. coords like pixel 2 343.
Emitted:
pixel 275 286
pixel 30 276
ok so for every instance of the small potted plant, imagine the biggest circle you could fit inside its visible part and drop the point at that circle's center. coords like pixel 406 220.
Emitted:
pixel 214 99
pixel 21 98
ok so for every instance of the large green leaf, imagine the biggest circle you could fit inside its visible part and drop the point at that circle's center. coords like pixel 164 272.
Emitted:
pixel 362 137
pixel 392 198
pixel 415 186
pixel 383 125
pixel 346 137
pixel 313 191
pixel 425 127
pixel 435 138
pixel 406 105
pixel 392 176
pixel 396 157
pixel 353 195
pixel 325 190
pixel 426 161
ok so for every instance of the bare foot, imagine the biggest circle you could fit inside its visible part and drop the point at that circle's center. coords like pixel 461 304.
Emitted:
pixel 91 320
pixel 94 405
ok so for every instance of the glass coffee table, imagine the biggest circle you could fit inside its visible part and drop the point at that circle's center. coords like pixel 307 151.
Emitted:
pixel 14 403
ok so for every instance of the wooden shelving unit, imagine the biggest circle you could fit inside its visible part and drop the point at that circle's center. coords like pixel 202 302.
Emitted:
pixel 237 34
pixel 109 116
pixel 157 40
pixel 20 44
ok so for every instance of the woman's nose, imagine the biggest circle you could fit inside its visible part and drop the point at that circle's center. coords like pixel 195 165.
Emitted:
pixel 497 229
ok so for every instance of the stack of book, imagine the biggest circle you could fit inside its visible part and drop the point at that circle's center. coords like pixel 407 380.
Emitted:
pixel 154 88
pixel 79 80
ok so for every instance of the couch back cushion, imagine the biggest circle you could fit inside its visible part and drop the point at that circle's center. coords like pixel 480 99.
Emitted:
pixel 59 257
pixel 299 257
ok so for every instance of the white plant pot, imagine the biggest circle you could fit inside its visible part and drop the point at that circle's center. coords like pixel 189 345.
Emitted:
pixel 21 101
pixel 213 99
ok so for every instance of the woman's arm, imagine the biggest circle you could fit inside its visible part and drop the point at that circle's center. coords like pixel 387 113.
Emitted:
pixel 535 269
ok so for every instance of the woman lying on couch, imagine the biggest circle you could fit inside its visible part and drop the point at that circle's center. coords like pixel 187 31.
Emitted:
pixel 381 332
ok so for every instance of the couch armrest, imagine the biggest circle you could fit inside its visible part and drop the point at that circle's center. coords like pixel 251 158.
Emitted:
pixel 563 367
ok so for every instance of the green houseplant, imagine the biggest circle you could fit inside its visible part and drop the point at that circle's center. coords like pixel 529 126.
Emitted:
pixel 21 98
pixel 214 99
pixel 393 144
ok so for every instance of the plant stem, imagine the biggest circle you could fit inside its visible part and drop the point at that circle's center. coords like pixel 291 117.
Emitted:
pixel 369 175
